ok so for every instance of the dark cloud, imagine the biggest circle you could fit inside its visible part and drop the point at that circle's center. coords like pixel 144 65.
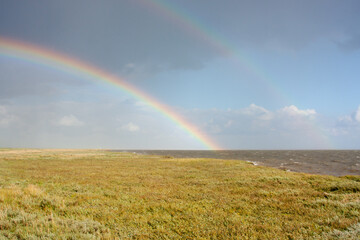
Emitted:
pixel 113 33
pixel 107 33
pixel 282 23
pixel 351 44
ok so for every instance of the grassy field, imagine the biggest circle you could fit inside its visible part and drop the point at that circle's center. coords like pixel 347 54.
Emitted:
pixel 93 194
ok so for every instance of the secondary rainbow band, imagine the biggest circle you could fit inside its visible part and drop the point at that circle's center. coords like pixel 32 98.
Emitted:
pixel 172 12
pixel 33 53
pixel 203 32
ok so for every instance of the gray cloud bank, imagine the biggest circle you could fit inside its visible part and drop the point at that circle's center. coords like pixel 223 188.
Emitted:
pixel 116 34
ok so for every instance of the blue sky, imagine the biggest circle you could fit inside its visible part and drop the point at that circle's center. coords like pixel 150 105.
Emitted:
pixel 301 91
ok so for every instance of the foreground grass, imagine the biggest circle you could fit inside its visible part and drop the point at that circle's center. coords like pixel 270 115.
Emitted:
pixel 78 194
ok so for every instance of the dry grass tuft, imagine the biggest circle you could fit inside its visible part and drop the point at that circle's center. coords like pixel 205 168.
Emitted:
pixel 33 190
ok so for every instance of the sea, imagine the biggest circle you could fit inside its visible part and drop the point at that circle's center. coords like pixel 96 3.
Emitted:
pixel 325 162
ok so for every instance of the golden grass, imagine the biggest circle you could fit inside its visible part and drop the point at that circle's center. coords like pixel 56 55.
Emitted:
pixel 93 194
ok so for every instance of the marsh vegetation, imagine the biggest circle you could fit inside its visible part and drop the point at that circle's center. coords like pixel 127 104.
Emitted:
pixel 93 194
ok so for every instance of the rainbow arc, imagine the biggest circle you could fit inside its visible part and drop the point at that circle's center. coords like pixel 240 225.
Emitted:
pixel 53 59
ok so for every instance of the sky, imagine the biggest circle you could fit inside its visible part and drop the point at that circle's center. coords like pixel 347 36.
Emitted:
pixel 254 74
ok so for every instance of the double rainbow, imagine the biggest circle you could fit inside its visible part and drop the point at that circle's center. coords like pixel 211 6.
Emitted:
pixel 53 59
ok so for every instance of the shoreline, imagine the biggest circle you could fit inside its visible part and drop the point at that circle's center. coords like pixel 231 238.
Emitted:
pixel 322 162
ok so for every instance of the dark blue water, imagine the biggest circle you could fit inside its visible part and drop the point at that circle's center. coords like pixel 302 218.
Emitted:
pixel 329 162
